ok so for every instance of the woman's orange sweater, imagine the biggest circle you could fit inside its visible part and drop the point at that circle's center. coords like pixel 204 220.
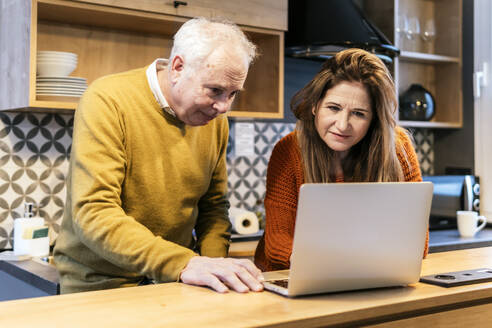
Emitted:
pixel 284 178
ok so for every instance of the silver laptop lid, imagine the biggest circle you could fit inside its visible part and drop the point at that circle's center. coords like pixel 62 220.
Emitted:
pixel 359 235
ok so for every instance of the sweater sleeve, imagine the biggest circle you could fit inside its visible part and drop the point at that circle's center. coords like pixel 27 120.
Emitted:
pixel 284 172
pixel 98 166
pixel 407 157
pixel 213 225
pixel 410 165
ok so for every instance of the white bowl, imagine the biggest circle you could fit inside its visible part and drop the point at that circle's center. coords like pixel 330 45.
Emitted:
pixel 56 57
pixel 55 68
pixel 56 53
pixel 51 61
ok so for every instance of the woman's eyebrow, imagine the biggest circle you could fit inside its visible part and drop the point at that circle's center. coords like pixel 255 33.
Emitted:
pixel 331 103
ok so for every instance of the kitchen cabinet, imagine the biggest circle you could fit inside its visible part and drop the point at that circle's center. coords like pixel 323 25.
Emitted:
pixel 435 62
pixel 265 14
pixel 114 36
pixel 27 279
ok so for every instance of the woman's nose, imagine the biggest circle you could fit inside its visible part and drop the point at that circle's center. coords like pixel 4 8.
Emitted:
pixel 342 121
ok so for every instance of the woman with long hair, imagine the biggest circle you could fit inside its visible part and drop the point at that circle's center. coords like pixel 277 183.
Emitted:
pixel 346 132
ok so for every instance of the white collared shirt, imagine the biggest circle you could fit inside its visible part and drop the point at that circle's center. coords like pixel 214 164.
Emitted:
pixel 157 65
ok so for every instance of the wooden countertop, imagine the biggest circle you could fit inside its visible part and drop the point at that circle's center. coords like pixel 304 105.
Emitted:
pixel 179 305
pixel 449 239
pixel 439 241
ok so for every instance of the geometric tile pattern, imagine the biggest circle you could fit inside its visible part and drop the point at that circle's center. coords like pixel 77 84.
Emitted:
pixel 35 150
pixel 247 174
pixel 34 154
pixel 424 146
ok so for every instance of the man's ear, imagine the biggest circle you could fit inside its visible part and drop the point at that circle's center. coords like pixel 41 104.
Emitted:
pixel 176 68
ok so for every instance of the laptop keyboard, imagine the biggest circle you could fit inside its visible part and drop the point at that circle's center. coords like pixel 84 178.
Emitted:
pixel 281 282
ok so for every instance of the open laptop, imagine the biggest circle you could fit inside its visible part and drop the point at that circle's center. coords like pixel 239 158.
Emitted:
pixel 356 236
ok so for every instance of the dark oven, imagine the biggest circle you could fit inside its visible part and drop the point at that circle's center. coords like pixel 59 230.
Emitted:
pixel 452 193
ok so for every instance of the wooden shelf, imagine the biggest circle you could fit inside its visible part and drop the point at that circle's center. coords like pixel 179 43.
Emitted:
pixel 435 64
pixel 427 58
pixel 41 109
pixel 429 124
pixel 241 113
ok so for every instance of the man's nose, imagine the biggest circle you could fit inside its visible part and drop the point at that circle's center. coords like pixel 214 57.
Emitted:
pixel 222 105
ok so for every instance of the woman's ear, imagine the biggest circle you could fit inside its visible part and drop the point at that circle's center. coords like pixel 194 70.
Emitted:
pixel 313 110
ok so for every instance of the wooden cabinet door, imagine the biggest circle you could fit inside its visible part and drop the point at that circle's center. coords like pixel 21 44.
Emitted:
pixel 270 14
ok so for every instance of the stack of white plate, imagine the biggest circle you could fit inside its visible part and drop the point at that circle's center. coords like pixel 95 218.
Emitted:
pixel 53 70
pixel 60 86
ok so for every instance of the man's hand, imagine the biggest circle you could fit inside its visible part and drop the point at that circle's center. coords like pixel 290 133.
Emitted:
pixel 221 274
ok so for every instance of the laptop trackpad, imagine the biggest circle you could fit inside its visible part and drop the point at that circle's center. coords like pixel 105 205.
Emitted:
pixel 276 275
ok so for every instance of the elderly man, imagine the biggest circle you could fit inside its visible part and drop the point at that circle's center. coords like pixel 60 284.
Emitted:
pixel 148 167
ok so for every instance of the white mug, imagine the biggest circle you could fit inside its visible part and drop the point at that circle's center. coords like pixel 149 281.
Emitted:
pixel 467 223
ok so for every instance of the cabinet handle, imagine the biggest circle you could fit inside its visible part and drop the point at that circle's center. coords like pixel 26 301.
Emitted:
pixel 180 3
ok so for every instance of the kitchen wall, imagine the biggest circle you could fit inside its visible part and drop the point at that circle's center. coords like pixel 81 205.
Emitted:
pixel 35 148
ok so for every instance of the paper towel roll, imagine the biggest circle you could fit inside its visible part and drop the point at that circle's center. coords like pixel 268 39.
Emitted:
pixel 243 222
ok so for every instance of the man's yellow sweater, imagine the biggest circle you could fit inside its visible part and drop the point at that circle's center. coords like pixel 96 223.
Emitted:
pixel 140 181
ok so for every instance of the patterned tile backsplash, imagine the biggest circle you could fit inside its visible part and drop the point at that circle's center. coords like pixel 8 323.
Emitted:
pixel 247 174
pixel 34 152
pixel 35 148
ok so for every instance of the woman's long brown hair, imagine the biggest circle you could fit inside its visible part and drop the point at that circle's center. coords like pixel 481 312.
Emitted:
pixel 374 158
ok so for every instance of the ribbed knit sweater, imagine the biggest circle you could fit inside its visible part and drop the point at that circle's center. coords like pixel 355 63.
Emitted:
pixel 139 182
pixel 284 179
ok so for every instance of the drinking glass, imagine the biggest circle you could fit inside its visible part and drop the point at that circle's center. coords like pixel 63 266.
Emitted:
pixel 402 25
pixel 413 28
pixel 429 32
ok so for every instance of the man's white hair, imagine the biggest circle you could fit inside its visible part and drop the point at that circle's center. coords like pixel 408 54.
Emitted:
pixel 198 37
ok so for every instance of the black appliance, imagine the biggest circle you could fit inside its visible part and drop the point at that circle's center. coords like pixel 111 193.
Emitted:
pixel 452 193
pixel 321 28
